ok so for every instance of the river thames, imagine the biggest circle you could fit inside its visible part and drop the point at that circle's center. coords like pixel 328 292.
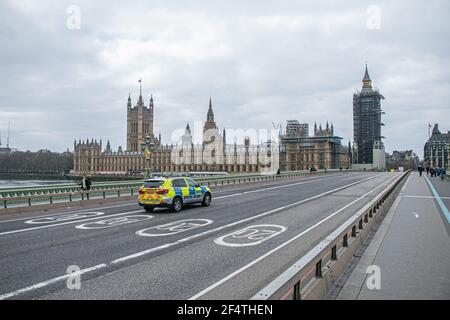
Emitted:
pixel 11 183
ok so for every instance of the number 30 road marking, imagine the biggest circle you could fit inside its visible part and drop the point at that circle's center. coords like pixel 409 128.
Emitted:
pixel 113 222
pixel 173 227
pixel 64 217
pixel 250 236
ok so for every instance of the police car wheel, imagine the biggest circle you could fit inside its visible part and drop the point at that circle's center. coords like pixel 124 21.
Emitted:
pixel 177 204
pixel 148 208
pixel 206 200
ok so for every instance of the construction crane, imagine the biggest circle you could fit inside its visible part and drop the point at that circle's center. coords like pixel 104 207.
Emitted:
pixel 278 127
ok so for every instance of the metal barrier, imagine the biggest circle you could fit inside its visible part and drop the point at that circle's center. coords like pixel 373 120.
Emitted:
pixel 314 274
pixel 71 192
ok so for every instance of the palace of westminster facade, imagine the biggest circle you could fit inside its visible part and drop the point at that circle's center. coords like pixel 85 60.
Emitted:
pixel 293 151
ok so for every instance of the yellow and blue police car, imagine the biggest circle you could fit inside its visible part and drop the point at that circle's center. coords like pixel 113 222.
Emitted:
pixel 173 193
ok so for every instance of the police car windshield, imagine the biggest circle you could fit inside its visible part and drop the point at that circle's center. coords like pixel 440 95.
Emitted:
pixel 153 184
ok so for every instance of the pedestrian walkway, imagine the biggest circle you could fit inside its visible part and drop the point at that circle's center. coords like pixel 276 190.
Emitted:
pixel 411 248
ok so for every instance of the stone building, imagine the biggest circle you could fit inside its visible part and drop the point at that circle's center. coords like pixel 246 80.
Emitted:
pixel 295 128
pixel 367 123
pixel 407 159
pixel 437 149
pixel 139 123
pixel 323 150
pixel 213 154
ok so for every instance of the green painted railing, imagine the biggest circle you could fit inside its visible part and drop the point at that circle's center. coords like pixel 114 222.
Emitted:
pixel 50 194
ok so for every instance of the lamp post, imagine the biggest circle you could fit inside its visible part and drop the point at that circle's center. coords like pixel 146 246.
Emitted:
pixel 147 147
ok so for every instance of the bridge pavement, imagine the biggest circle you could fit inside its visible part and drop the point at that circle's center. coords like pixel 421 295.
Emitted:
pixel 411 247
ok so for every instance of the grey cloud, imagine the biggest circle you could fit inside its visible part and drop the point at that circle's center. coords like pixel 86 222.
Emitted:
pixel 260 63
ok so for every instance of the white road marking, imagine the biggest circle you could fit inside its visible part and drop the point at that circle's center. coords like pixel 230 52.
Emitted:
pixel 167 245
pixel 174 227
pixel 269 188
pixel 113 222
pixel 64 223
pixel 78 211
pixel 250 236
pixel 415 214
pixel 406 183
pixel 218 283
pixel 133 204
pixel 48 282
pixel 215 198
pixel 65 217
pixel 54 280
pixel 424 197
pixel 273 182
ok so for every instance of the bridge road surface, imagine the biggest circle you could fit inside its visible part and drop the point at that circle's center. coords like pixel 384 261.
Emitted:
pixel 133 257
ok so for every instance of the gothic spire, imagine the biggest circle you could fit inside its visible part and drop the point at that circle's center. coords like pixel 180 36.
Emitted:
pixel 210 115
pixel 367 83
pixel 150 106
pixel 140 101
pixel 209 124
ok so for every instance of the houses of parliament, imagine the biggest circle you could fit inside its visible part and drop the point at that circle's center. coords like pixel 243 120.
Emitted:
pixel 212 155
pixel 295 150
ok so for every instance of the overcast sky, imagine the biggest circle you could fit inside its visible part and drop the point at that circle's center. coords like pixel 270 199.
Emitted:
pixel 261 61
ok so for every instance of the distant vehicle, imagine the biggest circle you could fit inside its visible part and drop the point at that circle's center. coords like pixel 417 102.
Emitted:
pixel 313 169
pixel 173 193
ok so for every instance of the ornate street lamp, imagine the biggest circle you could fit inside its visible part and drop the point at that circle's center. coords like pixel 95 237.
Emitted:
pixel 147 147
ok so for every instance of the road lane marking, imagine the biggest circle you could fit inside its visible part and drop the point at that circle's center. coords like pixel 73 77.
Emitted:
pixel 65 223
pixel 270 188
pixel 424 197
pixel 77 211
pixel 250 236
pixel 174 227
pixel 48 282
pixel 233 274
pixel 216 198
pixel 135 204
pixel 113 222
pixel 439 200
pixel 45 283
pixel 65 217
pixel 275 182
pixel 167 245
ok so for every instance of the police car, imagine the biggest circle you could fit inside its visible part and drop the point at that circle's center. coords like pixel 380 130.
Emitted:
pixel 173 193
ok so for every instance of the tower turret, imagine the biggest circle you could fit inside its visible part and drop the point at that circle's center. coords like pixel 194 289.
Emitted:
pixel 367 83
pixel 209 124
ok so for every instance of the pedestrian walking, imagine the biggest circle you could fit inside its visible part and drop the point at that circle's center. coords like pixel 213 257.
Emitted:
pixel 420 169
pixel 428 170
pixel 83 183
pixel 88 183
pixel 442 173
pixel 431 172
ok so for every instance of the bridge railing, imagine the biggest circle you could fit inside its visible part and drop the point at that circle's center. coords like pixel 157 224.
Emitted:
pixel 313 275
pixel 71 192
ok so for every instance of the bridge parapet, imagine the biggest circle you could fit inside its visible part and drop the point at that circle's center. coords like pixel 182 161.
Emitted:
pixel 50 194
